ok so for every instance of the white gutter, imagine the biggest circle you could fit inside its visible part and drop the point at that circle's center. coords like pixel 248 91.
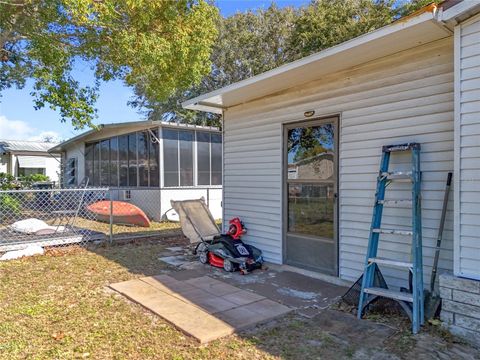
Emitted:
pixel 456 12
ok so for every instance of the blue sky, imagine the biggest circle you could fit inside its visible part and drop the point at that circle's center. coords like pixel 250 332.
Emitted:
pixel 19 120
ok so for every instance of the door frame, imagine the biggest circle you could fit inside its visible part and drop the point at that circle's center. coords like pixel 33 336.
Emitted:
pixel 311 122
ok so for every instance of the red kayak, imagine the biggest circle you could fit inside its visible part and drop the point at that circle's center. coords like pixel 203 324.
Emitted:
pixel 122 213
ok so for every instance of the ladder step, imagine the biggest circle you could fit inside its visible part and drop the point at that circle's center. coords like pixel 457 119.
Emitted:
pixel 393 232
pixel 396 202
pixel 401 147
pixel 391 262
pixel 397 175
pixel 390 294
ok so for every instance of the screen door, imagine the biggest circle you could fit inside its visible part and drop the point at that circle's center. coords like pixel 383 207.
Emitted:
pixel 310 198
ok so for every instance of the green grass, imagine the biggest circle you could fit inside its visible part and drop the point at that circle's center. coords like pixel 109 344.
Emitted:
pixel 59 306
pixel 311 217
pixel 118 230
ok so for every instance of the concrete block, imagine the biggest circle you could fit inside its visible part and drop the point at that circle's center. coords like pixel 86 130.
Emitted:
pixel 467 335
pixel 243 297
pixel 446 293
pixel 267 308
pixel 468 323
pixel 466 297
pixel 459 308
pixel 447 317
pixel 239 318
pixel 454 282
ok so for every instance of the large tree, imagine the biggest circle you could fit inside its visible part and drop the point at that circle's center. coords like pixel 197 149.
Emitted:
pixel 163 45
pixel 254 42
pixel 248 44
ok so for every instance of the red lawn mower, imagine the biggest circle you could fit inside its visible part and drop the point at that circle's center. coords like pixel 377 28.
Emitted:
pixel 226 251
pixel 229 252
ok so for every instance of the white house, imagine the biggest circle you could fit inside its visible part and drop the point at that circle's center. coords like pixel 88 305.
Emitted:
pixel 148 163
pixel 416 80
pixel 21 157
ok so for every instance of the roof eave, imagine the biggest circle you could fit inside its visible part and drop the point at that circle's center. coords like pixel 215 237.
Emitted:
pixel 147 123
pixel 459 12
pixel 213 101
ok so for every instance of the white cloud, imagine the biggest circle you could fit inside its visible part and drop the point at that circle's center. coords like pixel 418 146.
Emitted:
pixel 50 136
pixel 20 130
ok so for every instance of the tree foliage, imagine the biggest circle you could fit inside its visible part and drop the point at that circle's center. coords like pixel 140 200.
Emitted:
pixel 163 45
pixel 254 42
pixel 248 44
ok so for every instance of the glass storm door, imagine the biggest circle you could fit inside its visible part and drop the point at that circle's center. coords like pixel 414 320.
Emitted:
pixel 310 175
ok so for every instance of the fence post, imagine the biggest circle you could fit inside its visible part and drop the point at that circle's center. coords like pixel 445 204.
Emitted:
pixel 111 216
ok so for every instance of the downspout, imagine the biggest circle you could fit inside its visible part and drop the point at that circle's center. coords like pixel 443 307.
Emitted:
pixel 438 17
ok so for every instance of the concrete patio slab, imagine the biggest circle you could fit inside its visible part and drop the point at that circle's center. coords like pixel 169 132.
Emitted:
pixel 202 307
pixel 307 295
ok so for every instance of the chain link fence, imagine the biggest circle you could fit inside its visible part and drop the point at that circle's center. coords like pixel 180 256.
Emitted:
pixel 49 217
pixel 56 217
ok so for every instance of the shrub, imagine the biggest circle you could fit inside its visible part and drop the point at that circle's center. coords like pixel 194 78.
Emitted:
pixel 9 206
pixel 29 180
pixel 8 182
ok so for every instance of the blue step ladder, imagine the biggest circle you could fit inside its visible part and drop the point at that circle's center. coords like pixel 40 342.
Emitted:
pixel 411 301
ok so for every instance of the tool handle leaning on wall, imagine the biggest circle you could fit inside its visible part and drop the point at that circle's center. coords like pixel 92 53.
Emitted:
pixel 440 233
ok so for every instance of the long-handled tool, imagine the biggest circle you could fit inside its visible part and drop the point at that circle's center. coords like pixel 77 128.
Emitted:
pixel 432 302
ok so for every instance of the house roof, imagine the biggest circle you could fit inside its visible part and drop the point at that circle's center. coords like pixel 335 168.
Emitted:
pixel 429 24
pixel 7 146
pixel 125 127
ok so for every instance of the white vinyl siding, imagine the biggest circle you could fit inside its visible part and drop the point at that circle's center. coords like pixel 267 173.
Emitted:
pixel 467 57
pixel 401 98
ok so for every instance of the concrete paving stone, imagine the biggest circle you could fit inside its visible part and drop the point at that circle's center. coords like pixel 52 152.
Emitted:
pixel 213 286
pixel 175 260
pixel 188 318
pixel 193 295
pixel 239 318
pixel 162 304
pixel 267 308
pixel 176 286
pixel 202 307
pixel 215 304
pixel 159 285
pixel 185 316
pixel 165 279
pixel 135 287
pixel 243 297
pixel 203 282
pixel 221 289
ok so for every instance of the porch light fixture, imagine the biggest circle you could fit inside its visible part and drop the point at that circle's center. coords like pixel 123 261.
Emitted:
pixel 309 113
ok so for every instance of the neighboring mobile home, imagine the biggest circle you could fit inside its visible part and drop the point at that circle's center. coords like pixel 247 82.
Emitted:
pixel 22 158
pixel 416 80
pixel 148 163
